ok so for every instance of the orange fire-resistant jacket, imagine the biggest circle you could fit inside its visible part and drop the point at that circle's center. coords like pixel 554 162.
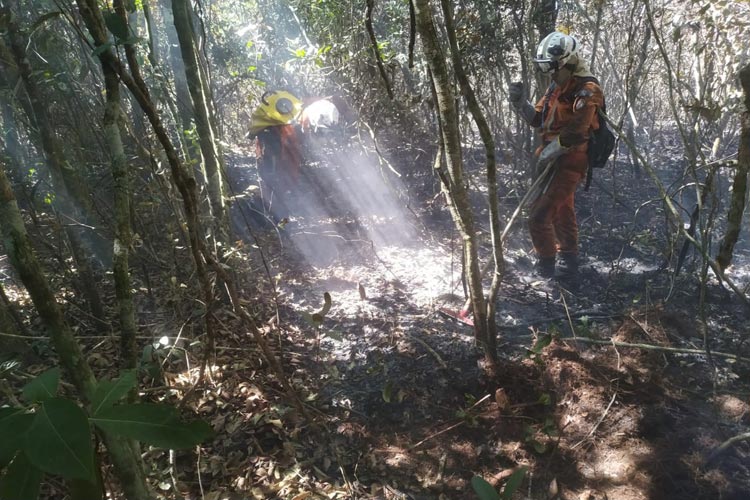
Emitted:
pixel 569 112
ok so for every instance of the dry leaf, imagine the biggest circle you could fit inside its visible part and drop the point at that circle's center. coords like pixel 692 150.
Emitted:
pixel 502 400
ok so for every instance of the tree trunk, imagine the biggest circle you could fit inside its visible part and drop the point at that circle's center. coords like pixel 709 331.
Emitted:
pixel 123 231
pixel 454 184
pixel 739 185
pixel 489 150
pixel 72 358
pixel 211 152
pixel 69 191
pixel 202 258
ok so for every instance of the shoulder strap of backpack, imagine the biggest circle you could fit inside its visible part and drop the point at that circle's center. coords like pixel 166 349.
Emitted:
pixel 590 171
pixel 545 106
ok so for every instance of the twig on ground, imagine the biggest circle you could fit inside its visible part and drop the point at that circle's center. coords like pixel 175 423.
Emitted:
pixel 657 348
pixel 567 312
pixel 450 427
pixel 598 422
pixel 725 446
pixel 429 349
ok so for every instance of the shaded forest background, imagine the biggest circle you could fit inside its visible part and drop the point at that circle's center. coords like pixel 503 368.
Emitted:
pixel 138 256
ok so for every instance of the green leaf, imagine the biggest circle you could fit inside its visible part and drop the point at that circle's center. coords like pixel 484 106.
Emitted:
pixel 157 425
pixel 116 25
pixel 43 387
pixel 59 440
pixel 14 422
pixel 388 391
pixel 85 490
pixel 108 392
pixel 21 481
pixel 483 489
pixel 513 483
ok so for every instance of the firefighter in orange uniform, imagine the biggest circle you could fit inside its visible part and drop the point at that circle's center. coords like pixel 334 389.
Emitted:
pixel 565 117
pixel 278 144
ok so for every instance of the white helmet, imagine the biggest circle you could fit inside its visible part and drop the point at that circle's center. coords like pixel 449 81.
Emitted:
pixel 555 51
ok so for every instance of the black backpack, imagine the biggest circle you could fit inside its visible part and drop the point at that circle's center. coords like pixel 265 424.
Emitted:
pixel 601 142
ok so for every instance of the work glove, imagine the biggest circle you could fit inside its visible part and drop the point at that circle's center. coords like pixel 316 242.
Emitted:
pixel 515 93
pixel 551 152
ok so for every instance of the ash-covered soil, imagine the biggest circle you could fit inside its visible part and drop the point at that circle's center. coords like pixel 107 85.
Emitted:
pixel 404 407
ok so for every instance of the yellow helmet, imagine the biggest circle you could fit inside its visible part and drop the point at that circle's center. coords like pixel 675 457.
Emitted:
pixel 277 107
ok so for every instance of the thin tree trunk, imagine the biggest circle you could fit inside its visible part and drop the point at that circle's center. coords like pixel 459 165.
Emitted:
pixel 202 258
pixel 153 41
pixel 72 358
pixel 370 6
pixel 123 232
pixel 65 200
pixel 454 184
pixel 211 152
pixel 739 185
pixel 489 150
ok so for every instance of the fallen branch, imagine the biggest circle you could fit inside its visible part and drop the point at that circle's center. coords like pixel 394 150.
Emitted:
pixel 450 427
pixel 725 446
pixel 650 347
pixel 429 349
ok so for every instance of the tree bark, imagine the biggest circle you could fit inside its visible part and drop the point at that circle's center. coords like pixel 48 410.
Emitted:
pixel 454 184
pixel 72 358
pixel 739 185
pixel 491 166
pixel 69 191
pixel 123 231
pixel 210 149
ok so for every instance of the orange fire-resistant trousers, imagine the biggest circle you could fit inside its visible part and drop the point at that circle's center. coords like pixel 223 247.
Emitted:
pixel 552 221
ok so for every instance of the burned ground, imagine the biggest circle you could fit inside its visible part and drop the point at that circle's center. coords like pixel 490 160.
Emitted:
pixel 398 404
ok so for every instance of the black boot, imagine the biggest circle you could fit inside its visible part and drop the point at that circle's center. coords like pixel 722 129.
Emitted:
pixel 545 267
pixel 568 265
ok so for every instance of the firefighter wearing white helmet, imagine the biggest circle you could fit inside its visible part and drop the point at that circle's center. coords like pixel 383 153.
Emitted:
pixel 555 51
pixel 564 117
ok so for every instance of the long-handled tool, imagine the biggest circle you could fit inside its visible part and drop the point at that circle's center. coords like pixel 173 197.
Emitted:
pixel 538 187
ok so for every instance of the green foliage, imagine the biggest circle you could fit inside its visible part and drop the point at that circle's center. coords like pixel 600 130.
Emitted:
pixel 55 435
pixel 157 425
pixel 43 387
pixel 21 481
pixel 14 422
pixel 59 440
pixel 485 491
pixel 513 483
pixel 535 352
pixel 109 392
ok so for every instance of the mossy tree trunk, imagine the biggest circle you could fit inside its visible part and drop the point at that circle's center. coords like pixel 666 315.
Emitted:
pixel 123 231
pixel 489 149
pixel 24 261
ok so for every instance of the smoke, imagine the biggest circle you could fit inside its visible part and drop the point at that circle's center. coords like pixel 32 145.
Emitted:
pixel 348 203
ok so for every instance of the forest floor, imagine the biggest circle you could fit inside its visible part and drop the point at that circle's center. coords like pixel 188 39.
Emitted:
pixel 403 407
pixel 398 403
